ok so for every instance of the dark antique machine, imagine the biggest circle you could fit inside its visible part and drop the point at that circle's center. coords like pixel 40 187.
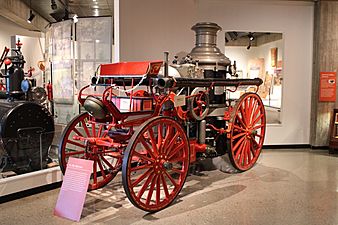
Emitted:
pixel 154 126
pixel 26 126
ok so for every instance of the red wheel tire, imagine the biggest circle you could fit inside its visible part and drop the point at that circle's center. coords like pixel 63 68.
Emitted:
pixel 106 163
pixel 156 164
pixel 247 131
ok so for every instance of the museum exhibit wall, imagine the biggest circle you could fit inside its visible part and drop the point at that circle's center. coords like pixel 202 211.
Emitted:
pixel 244 59
pixel 147 28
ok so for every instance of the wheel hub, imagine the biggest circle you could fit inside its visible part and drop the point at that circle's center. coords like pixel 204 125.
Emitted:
pixel 167 165
pixel 162 164
pixel 249 133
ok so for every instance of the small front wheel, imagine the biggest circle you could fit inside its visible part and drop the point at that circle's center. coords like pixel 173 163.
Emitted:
pixel 107 162
pixel 247 131
pixel 156 164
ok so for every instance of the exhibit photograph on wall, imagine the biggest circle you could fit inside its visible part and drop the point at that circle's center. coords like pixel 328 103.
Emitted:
pixel 260 54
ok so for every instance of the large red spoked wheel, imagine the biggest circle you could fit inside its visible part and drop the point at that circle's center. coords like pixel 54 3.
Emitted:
pixel 156 164
pixel 107 162
pixel 247 131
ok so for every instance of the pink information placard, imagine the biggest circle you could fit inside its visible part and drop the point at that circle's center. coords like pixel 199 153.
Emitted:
pixel 74 188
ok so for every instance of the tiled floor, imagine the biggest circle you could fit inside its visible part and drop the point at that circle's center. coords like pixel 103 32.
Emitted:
pixel 295 186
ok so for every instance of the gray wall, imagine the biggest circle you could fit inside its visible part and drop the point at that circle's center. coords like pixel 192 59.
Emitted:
pixel 325 60
pixel 149 27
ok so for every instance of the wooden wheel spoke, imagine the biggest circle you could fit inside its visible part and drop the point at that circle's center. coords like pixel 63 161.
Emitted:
pixel 165 188
pixel 152 139
pixel 76 143
pixel 107 151
pixel 74 153
pixel 246 112
pixel 249 110
pixel 252 149
pixel 238 144
pixel 137 154
pixel 240 120
pixel 77 132
pixel 176 150
pixel 145 186
pixel 107 162
pixel 255 143
pixel 257 119
pixel 175 170
pixel 257 109
pixel 244 122
pixel 167 139
pixel 253 114
pixel 171 179
pixel 158 189
pixel 249 152
pixel 239 128
pixel 100 130
pixel 140 178
pixel 84 125
pixel 238 135
pixel 242 153
pixel 171 144
pixel 258 127
pixel 95 171
pixel 151 189
pixel 159 137
pixel 101 168
pixel 149 150
pixel 136 168
pixel 239 149
pixel 93 129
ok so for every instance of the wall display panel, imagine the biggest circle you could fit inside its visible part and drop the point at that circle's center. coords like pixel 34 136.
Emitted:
pixel 75 51
pixel 94 38
pixel 62 62
pixel 260 54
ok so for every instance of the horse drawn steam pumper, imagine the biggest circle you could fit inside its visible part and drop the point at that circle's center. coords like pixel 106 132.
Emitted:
pixel 164 123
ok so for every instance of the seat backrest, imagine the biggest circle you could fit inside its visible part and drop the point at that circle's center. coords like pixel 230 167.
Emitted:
pixel 131 69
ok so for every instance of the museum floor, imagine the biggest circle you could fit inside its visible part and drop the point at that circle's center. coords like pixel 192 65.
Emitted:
pixel 295 186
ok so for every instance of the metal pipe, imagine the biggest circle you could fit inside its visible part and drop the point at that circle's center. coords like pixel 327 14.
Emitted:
pixel 166 64
pixel 206 82
pixel 202 132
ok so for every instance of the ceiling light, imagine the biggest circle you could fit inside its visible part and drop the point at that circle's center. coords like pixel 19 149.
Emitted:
pixel 31 16
pixel 53 5
pixel 75 19
pixel 251 37
pixel 95 6
pixel 96 12
pixel 94 0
